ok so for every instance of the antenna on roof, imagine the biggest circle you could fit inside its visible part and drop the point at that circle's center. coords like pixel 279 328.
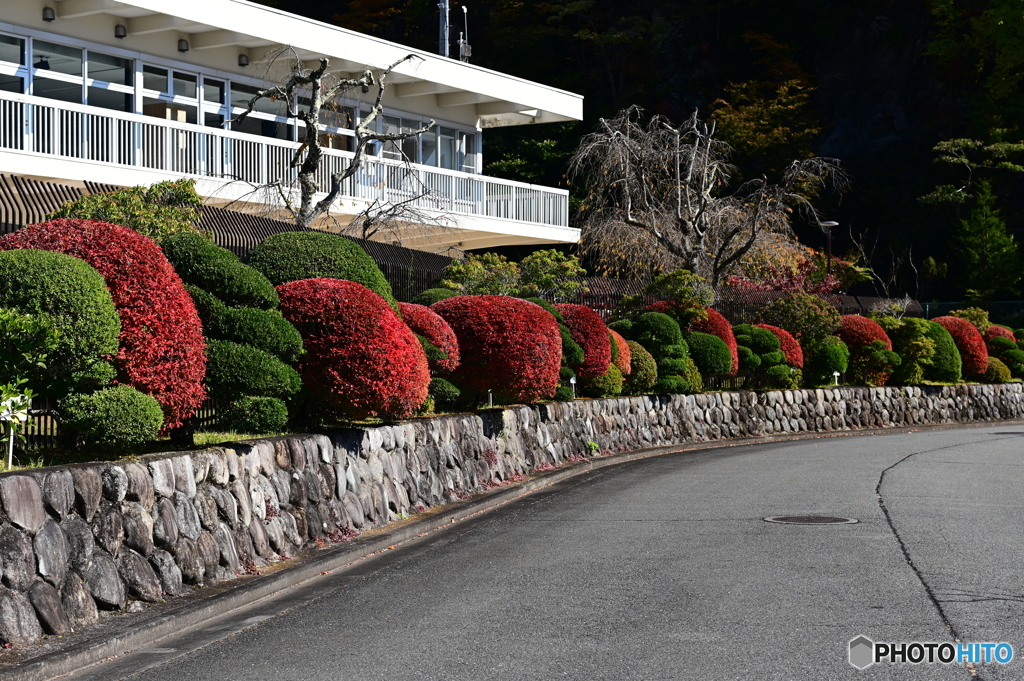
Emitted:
pixel 465 51
pixel 442 45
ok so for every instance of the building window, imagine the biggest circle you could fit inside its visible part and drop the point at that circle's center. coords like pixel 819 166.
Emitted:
pixel 401 150
pixel 53 58
pixel 214 111
pixel 110 69
pixel 12 50
pixel 268 118
pixel 170 95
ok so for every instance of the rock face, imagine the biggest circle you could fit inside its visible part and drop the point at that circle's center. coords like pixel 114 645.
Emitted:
pixel 79 538
pixel 23 501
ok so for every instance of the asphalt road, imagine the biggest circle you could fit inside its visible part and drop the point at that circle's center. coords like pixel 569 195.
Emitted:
pixel 665 569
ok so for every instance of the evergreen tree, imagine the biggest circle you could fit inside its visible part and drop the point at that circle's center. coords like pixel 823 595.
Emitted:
pixel 987 251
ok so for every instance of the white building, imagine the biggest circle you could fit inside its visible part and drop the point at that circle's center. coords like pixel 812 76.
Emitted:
pixel 140 91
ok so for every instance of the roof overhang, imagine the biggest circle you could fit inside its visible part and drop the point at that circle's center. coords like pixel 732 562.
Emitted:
pixel 465 90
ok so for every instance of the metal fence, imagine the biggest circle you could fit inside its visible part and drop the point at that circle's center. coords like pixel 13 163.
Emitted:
pixel 1006 312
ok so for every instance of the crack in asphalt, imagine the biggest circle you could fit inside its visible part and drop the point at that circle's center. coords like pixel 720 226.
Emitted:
pixel 906 551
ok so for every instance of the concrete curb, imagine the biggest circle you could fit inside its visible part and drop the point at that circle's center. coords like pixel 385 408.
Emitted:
pixel 339 557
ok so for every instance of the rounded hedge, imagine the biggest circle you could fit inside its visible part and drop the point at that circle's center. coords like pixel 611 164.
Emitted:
pixel 433 295
pixel 755 338
pixel 608 384
pixel 207 304
pixel 161 342
pixel 589 331
pixel 832 355
pixel 549 307
pixel 295 256
pixel 255 415
pixel 996 372
pixel 509 346
pixel 427 323
pixel 946 366
pixel 360 357
pixel 444 392
pixel 263 329
pixel 788 344
pixel 624 327
pixel 709 352
pixel 809 318
pixel 200 262
pixel 234 371
pixel 119 415
pixel 73 296
pixel 622 357
pixel 717 325
pixel 654 330
pixel 643 372
pixel 997 331
pixel 1000 344
pixel 572 353
pixel 970 344
pixel 858 331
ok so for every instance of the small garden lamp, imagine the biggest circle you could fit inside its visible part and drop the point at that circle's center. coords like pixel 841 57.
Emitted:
pixel 572 382
pixel 14 406
pixel 835 375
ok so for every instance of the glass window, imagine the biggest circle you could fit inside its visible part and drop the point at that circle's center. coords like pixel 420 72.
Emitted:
pixel 57 89
pixel 111 69
pixel 467 153
pixel 213 90
pixel 154 78
pixel 11 84
pixel 241 94
pixel 335 116
pixel 169 111
pixel 57 58
pixel 336 141
pixel 184 85
pixel 12 49
pixel 429 142
pixel 111 99
pixel 264 128
pixel 213 120
pixel 446 143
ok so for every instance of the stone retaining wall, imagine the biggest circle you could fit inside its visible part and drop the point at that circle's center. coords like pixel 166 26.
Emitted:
pixel 81 539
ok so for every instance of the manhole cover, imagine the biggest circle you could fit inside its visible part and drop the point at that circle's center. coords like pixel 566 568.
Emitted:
pixel 810 520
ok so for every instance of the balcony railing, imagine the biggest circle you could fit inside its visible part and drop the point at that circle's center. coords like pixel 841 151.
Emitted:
pixel 51 128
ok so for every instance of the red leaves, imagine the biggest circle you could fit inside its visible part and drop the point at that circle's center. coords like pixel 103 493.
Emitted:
pixel 995 330
pixel 969 342
pixel 790 347
pixel 589 331
pixel 508 345
pixel 717 325
pixel 624 360
pixel 857 331
pixel 434 328
pixel 359 354
pixel 162 348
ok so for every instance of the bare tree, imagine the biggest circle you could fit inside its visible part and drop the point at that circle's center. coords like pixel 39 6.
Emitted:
pixel 657 197
pixel 307 93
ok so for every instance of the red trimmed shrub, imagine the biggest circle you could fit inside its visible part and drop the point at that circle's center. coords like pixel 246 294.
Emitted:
pixel 996 330
pixel 969 342
pixel 162 348
pixel 434 328
pixel 790 348
pixel 624 356
pixel 360 356
pixel 588 329
pixel 508 345
pixel 857 331
pixel 717 325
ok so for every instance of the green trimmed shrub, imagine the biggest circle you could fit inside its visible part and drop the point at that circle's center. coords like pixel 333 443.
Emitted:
pixel 608 384
pixel 1014 361
pixel 997 372
pixel 749 360
pixel 873 363
pixel 760 341
pixel 624 327
pixel 294 256
pixel 200 262
pixel 207 304
pixel 263 329
pixel 784 376
pixel 644 372
pixel 654 330
pixel 119 416
pixel 672 385
pixel 709 353
pixel 234 370
pixel 444 392
pixel 809 318
pixel 433 295
pixel 572 353
pixel 434 354
pixel 830 356
pixel 693 377
pixel 73 296
pixel 1000 344
pixel 563 393
pixel 916 350
pixel 549 307
pixel 946 364
pixel 257 415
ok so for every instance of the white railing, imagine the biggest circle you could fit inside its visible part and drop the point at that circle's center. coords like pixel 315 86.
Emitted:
pixel 51 128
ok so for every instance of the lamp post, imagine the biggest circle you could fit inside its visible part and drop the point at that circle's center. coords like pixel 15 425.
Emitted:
pixel 827 228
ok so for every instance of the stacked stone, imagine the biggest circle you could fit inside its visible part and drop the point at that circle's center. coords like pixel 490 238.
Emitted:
pixel 78 540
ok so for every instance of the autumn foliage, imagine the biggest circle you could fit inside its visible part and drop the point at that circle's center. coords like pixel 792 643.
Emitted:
pixel 434 328
pixel 969 342
pixel 790 347
pixel 507 345
pixel 161 342
pixel 857 331
pixel 589 331
pixel 360 356
pixel 623 356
